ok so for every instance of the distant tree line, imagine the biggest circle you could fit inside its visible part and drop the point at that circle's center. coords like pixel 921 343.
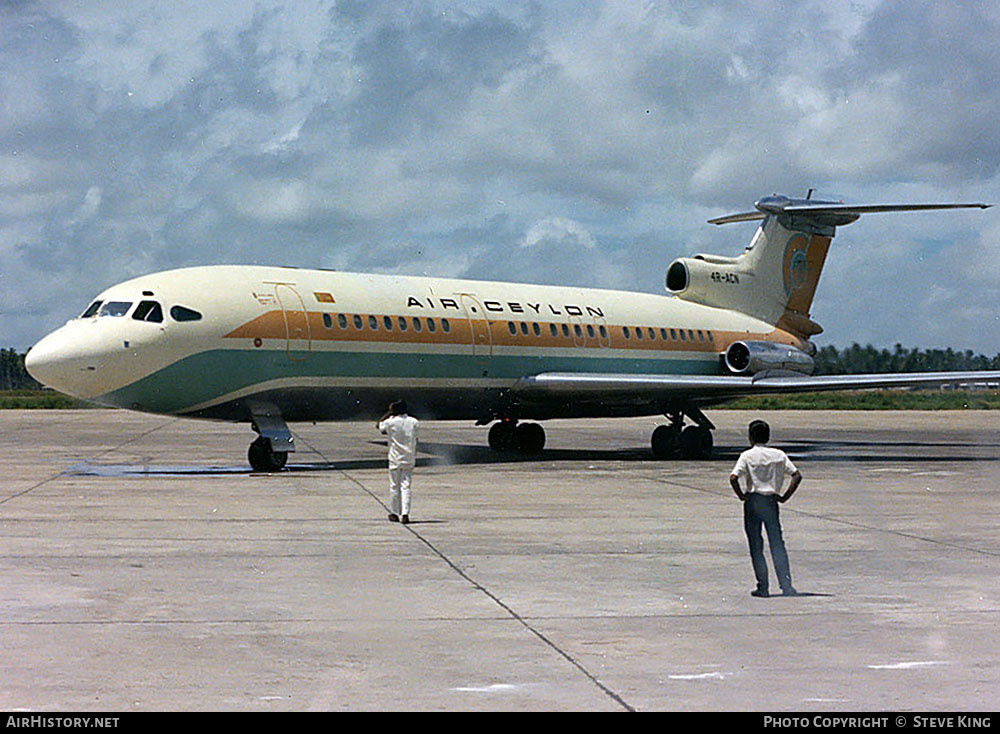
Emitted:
pixel 854 359
pixel 13 376
pixel 857 359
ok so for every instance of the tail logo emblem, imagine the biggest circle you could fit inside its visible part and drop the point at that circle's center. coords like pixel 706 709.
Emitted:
pixel 796 266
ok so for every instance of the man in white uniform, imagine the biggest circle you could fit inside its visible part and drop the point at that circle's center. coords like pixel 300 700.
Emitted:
pixel 764 469
pixel 402 432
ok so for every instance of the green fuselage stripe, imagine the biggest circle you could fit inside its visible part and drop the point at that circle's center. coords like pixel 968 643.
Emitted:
pixel 214 374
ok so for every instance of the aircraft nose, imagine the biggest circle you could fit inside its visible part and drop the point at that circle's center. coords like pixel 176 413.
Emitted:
pixel 53 362
pixel 41 360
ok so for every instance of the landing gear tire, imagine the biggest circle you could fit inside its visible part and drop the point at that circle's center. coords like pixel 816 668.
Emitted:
pixel 529 438
pixel 263 459
pixel 664 441
pixel 525 438
pixel 696 442
pixel 501 435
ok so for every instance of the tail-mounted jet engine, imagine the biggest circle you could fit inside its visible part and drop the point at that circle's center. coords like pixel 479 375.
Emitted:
pixel 710 280
pixel 751 357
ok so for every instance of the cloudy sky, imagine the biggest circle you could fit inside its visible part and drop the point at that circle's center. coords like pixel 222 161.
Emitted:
pixel 573 143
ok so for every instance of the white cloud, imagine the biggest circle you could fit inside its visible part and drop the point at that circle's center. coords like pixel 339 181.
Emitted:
pixel 559 231
pixel 490 139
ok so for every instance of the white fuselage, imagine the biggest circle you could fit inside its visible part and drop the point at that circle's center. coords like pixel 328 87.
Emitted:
pixel 323 345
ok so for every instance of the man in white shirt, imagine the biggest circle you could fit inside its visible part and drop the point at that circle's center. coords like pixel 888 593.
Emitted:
pixel 764 469
pixel 402 432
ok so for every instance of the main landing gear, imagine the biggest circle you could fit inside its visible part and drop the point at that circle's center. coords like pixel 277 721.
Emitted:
pixel 676 440
pixel 524 438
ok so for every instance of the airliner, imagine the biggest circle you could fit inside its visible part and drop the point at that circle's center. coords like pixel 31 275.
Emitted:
pixel 272 345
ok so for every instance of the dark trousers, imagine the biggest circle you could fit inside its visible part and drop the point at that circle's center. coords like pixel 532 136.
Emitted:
pixel 762 510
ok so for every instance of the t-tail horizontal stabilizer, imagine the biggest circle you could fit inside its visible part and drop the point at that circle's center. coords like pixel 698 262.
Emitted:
pixel 831 213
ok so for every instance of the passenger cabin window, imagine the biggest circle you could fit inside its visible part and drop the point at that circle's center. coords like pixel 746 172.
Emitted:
pixel 91 310
pixel 115 308
pixel 148 311
pixel 183 313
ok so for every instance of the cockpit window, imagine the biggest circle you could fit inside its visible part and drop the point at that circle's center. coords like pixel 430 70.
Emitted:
pixel 115 308
pixel 148 311
pixel 91 310
pixel 183 313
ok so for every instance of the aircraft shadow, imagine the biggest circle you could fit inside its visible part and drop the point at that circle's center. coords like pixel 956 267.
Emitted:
pixel 452 454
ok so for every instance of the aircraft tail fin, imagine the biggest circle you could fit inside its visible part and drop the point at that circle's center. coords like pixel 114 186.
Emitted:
pixel 775 278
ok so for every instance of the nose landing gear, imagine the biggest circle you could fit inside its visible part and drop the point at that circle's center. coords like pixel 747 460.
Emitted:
pixel 269 452
pixel 263 458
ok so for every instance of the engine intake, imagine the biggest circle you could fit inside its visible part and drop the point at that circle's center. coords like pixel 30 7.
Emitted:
pixel 709 280
pixel 751 357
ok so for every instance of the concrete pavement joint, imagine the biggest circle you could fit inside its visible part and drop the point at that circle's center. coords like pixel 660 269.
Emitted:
pixel 42 483
pixel 489 594
pixel 849 523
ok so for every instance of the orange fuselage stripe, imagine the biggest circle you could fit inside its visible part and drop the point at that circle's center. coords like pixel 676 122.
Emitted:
pixel 284 325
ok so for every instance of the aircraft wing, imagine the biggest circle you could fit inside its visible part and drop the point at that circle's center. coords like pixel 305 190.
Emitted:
pixel 707 389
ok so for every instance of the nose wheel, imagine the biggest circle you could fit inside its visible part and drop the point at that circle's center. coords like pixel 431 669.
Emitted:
pixel 274 441
pixel 263 458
